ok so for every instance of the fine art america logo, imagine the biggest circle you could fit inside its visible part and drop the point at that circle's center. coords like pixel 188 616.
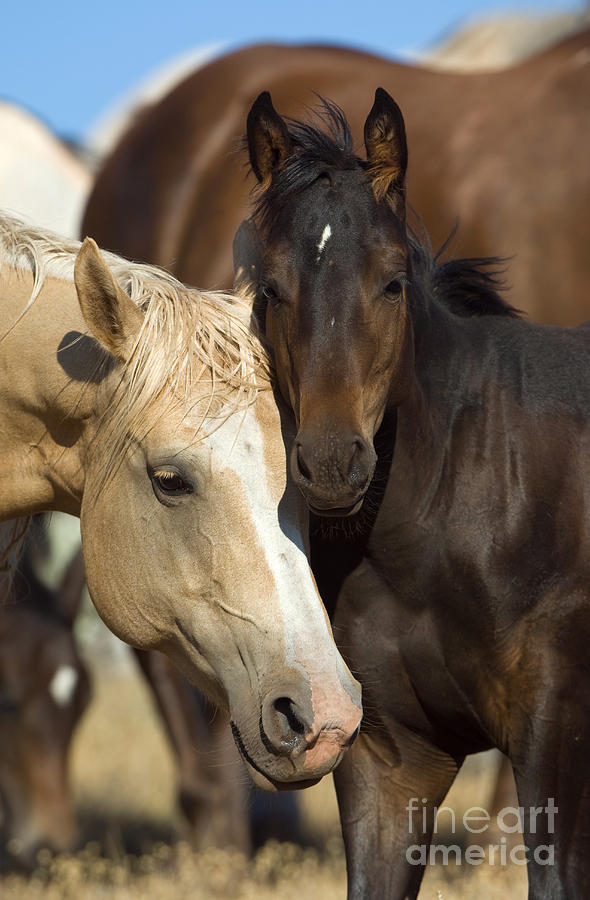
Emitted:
pixel 539 820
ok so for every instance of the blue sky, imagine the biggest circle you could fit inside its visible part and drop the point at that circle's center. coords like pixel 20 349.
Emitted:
pixel 68 61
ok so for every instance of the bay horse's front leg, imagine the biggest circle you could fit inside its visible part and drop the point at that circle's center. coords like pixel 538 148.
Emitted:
pixel 387 789
pixel 552 772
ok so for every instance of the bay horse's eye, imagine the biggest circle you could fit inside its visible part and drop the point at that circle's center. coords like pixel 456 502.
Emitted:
pixel 270 294
pixel 395 288
pixel 170 483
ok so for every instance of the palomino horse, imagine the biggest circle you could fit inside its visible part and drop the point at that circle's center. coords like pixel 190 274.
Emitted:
pixel 139 405
pixel 44 690
pixel 504 153
pixel 462 583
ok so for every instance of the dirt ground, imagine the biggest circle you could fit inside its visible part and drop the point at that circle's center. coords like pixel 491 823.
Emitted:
pixel 123 779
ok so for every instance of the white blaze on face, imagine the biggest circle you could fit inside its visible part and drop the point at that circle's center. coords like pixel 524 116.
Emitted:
pixel 243 446
pixel 63 684
pixel 264 586
pixel 326 235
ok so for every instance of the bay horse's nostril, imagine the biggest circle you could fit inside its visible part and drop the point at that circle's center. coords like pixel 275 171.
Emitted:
pixel 358 467
pixel 302 465
pixel 332 468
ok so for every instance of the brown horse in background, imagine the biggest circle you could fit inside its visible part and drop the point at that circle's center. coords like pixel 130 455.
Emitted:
pixel 44 689
pixel 503 153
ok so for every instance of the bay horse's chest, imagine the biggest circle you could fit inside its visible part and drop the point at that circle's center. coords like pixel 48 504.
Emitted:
pixel 445 616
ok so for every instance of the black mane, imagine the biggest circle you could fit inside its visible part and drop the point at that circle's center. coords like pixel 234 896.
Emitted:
pixel 466 287
pixel 471 287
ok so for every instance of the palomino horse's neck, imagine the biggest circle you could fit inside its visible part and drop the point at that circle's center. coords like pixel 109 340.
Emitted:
pixel 48 395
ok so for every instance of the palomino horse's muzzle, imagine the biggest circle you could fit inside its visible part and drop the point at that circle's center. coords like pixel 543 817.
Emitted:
pixel 300 743
pixel 333 470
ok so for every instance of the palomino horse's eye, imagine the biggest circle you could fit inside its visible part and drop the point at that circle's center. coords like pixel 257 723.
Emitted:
pixel 170 483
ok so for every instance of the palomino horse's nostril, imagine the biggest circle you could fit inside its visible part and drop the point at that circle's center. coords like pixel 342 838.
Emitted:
pixel 290 724
pixel 284 724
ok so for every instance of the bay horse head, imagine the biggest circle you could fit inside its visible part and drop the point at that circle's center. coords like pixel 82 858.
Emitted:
pixel 334 275
pixel 145 407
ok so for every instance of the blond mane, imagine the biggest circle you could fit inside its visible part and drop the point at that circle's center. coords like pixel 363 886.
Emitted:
pixel 187 337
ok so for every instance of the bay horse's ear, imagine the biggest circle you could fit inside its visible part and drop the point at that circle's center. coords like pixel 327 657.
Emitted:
pixel 247 250
pixel 269 142
pixel 385 142
pixel 112 316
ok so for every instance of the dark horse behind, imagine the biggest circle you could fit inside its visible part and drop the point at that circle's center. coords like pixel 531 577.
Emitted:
pixel 44 690
pixel 458 437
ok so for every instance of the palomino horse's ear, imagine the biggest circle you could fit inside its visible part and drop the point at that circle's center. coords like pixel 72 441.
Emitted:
pixel 112 316
pixel 385 142
pixel 269 142
pixel 247 249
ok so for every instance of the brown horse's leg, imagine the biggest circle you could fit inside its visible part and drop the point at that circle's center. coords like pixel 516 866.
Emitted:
pixel 212 785
pixel 387 790
pixel 553 783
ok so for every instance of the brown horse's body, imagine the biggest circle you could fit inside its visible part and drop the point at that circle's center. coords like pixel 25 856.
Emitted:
pixel 505 153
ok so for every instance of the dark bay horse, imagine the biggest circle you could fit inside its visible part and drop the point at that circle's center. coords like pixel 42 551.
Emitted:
pixel 460 589
pixel 504 153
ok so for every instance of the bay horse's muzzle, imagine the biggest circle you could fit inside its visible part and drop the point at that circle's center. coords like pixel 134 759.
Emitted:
pixel 332 471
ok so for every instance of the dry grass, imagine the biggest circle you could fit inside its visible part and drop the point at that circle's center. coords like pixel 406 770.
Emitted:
pixel 123 778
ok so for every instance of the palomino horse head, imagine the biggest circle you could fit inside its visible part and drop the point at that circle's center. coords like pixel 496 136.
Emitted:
pixel 223 584
pixel 159 428
pixel 334 274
